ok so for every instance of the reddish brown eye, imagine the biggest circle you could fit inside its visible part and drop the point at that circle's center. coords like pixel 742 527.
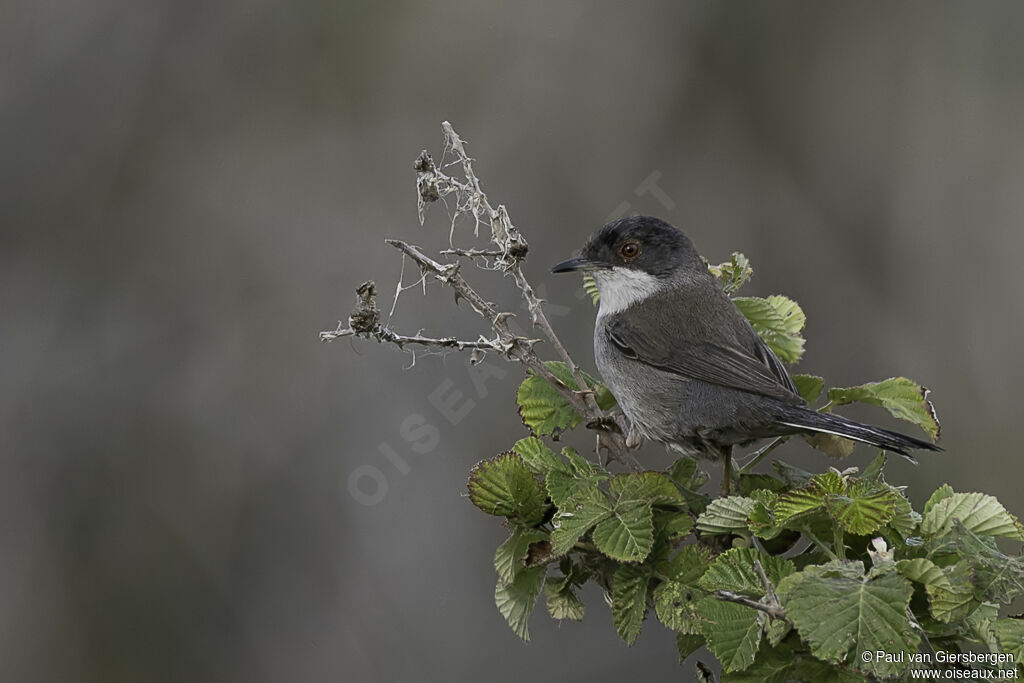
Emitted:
pixel 629 251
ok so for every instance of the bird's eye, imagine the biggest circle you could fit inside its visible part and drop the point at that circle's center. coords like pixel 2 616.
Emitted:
pixel 629 250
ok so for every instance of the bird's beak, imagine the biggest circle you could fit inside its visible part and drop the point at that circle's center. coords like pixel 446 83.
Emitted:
pixel 575 263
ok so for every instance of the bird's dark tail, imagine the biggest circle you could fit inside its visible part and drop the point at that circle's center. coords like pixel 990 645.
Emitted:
pixel 813 421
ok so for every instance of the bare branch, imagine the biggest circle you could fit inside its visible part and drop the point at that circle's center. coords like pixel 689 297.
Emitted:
pixel 513 249
pixel 771 610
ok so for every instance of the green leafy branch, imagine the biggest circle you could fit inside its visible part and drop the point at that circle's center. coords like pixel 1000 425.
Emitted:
pixel 793 578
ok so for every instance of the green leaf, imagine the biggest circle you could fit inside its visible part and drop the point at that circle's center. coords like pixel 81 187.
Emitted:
pixel 950 594
pixel 675 603
pixel 779 321
pixel 761 520
pixel 944 491
pixel 841 613
pixel 627 534
pixel 545 411
pixel 515 600
pixel 580 475
pixel 954 599
pixel 904 520
pixel 808 499
pixel 562 601
pixel 809 387
pixel 671 526
pixel 503 486
pixel 979 513
pixel 903 398
pixel 733 632
pixel 648 487
pixel 629 600
pixel 687 644
pixel 734 273
pixel 687 565
pixel 1010 633
pixel 539 459
pixel 734 571
pixel 580 513
pixel 726 516
pixel 510 558
pixel 864 508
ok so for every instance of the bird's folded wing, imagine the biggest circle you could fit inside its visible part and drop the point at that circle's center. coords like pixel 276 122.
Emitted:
pixel 706 361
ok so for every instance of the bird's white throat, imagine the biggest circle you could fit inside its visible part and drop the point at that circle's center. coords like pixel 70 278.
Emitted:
pixel 620 288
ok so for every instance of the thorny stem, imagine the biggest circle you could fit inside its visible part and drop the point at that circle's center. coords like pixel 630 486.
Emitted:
pixel 507 238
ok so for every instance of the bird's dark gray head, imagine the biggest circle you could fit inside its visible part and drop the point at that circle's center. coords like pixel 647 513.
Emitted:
pixel 639 243
pixel 634 257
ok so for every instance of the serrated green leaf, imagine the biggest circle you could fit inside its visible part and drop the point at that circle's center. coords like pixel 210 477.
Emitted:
pixel 734 571
pixel 778 320
pixel 545 411
pixel 841 613
pixel 675 603
pixel 516 600
pixel 648 487
pixel 761 520
pixel 923 571
pixel 733 632
pixel 504 486
pixel 903 398
pixel 979 513
pixel 864 508
pixel 904 520
pixel 627 534
pixel 726 516
pixel 629 600
pixel 950 594
pixel 687 475
pixel 687 565
pixel 944 491
pixel 580 513
pixel 510 558
pixel 954 599
pixel 809 387
pixel 562 486
pixel 539 459
pixel 687 644
pixel 808 499
pixel 562 601
pixel 732 274
pixel 1010 633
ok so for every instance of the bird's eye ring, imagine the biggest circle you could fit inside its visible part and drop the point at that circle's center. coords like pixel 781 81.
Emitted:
pixel 629 250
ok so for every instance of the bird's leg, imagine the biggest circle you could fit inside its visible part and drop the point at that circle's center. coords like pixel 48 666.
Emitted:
pixel 727 470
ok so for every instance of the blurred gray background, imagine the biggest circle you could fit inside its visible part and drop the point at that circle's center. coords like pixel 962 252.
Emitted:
pixel 192 190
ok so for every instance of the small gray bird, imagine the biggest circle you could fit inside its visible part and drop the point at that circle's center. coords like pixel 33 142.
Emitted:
pixel 686 367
